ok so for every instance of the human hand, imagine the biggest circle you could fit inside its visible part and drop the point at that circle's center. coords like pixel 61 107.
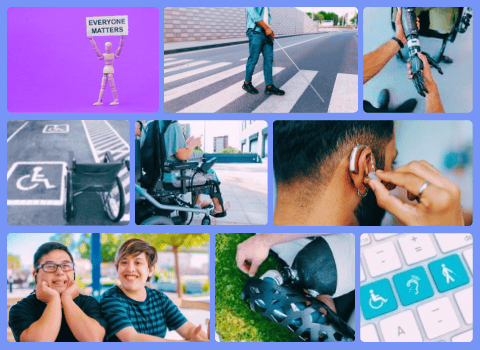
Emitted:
pixel 72 291
pixel 439 204
pixel 196 336
pixel 45 293
pixel 399 31
pixel 251 253
pixel 419 71
pixel 269 32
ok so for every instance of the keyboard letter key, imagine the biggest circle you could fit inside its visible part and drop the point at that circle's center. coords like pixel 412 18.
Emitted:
pixel 464 300
pixel 452 241
pixel 401 328
pixel 369 334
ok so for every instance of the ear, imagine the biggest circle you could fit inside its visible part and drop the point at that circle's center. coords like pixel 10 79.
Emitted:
pixel 150 272
pixel 364 166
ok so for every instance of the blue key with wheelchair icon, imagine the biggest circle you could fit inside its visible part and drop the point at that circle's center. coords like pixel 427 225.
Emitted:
pixel 377 299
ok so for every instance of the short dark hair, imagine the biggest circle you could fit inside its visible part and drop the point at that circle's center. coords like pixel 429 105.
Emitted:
pixel 311 150
pixel 136 247
pixel 140 124
pixel 46 248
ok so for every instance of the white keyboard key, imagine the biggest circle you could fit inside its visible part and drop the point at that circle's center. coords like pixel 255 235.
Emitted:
pixel 362 274
pixel 464 337
pixel 369 334
pixel 464 300
pixel 417 247
pixel 452 241
pixel 438 317
pixel 401 328
pixel 382 259
pixel 380 236
pixel 365 239
pixel 468 255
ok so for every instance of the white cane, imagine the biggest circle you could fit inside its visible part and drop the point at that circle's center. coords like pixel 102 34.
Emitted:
pixel 300 72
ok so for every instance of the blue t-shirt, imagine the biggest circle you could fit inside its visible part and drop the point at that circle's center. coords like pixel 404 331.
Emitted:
pixel 151 316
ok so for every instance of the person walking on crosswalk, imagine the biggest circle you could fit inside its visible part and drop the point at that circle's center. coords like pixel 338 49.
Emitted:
pixel 260 39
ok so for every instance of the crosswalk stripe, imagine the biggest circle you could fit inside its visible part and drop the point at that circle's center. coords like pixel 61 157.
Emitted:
pixel 201 83
pixel 194 72
pixel 344 97
pixel 168 59
pixel 219 100
pixel 294 88
pixel 175 62
pixel 185 66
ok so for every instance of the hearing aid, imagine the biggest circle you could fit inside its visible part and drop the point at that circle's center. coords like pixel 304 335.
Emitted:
pixel 355 158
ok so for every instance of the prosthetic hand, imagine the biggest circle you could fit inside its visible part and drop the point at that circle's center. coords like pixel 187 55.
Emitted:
pixel 411 32
pixel 279 295
pixel 467 15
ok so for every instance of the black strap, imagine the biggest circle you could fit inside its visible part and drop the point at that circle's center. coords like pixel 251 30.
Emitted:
pixel 399 42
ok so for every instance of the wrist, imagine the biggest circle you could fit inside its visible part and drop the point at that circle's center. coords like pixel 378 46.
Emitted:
pixel 401 37
pixel 54 299
pixel 399 42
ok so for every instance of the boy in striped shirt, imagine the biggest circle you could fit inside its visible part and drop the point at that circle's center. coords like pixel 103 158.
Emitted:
pixel 136 313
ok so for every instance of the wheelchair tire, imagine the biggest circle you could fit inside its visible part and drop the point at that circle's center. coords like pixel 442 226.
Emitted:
pixel 158 220
pixel 68 206
pixel 112 214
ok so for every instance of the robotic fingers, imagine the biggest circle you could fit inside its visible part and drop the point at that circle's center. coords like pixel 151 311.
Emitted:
pixel 409 18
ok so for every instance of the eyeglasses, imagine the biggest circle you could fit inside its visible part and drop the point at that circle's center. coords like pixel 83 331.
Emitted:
pixel 52 267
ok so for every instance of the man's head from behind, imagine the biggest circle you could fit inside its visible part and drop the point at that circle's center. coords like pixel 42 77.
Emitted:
pixel 135 262
pixel 53 264
pixel 307 155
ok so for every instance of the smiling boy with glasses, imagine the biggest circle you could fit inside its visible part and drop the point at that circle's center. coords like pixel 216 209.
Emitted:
pixel 56 311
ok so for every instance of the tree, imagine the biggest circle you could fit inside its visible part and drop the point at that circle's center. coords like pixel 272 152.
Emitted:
pixel 178 241
pixel 13 262
pixel 110 244
pixel 354 19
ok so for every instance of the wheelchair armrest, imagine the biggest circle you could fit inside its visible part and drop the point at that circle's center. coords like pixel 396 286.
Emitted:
pixel 182 165
pixel 127 164
pixel 206 165
pixel 72 162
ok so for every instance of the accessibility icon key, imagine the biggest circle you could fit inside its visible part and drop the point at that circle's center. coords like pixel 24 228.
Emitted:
pixel 36 183
pixel 377 299
pixel 413 285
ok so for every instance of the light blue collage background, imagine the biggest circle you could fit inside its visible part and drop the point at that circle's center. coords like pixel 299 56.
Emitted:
pixel 212 230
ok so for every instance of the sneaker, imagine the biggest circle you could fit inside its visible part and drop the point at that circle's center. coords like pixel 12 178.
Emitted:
pixel 272 90
pixel 406 107
pixel 249 88
pixel 383 99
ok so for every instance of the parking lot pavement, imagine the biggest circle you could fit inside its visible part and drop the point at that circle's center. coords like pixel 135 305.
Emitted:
pixel 37 156
pixel 245 188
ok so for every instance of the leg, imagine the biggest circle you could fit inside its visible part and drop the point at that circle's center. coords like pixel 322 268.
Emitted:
pixel 219 210
pixel 114 90
pixel 267 52
pixel 255 41
pixel 102 91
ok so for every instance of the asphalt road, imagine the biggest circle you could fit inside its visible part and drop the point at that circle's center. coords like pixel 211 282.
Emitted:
pixel 210 80
pixel 46 145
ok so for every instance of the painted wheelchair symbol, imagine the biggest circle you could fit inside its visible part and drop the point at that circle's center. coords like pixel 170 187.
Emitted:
pixel 376 301
pixel 35 179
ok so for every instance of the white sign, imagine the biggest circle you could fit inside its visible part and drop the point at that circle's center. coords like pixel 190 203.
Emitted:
pixel 107 25
pixel 56 129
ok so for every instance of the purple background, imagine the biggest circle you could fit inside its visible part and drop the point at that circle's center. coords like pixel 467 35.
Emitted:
pixel 53 68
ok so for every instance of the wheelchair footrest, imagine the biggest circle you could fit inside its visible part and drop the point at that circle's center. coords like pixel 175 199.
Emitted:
pixel 307 317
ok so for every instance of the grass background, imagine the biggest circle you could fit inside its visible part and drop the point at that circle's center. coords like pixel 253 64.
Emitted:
pixel 234 320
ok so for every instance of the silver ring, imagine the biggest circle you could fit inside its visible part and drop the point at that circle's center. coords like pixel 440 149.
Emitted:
pixel 422 188
pixel 364 194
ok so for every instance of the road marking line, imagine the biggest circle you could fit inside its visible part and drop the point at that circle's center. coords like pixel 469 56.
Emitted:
pixel 285 47
pixel 16 132
pixel 219 100
pixel 201 83
pixel 194 72
pixel 175 62
pixel 185 66
pixel 294 89
pixel 344 97
pixel 168 59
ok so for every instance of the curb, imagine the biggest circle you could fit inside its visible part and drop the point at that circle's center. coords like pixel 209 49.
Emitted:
pixel 203 47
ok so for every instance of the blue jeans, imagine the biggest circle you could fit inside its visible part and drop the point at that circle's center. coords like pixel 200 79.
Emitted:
pixel 259 42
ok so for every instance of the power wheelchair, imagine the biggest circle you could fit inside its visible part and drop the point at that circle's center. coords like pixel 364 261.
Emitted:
pixel 158 202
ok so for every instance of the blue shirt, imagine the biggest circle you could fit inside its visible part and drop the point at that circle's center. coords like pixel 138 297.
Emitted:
pixel 254 15
pixel 151 316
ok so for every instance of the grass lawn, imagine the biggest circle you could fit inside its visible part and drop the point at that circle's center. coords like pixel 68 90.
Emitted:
pixel 234 320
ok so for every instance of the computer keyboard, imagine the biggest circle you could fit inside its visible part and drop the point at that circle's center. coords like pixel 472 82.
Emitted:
pixel 416 287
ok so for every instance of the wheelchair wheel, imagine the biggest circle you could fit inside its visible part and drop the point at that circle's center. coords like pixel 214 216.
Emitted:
pixel 158 220
pixel 114 201
pixel 68 206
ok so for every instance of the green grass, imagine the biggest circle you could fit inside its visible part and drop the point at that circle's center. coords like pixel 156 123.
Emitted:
pixel 234 320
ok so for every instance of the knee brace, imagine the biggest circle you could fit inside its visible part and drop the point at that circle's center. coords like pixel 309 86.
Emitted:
pixel 305 316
